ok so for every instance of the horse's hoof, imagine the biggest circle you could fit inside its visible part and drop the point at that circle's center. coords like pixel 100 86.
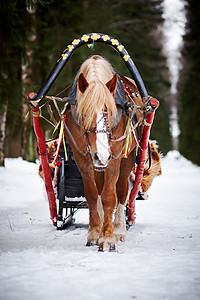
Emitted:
pixel 105 246
pixel 122 238
pixel 112 247
pixel 92 243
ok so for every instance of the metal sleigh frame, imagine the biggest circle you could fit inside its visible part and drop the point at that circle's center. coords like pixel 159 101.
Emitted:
pixel 34 103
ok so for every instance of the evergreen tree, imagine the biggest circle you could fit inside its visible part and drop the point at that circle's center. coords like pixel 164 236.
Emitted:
pixel 138 24
pixel 15 34
pixel 13 28
pixel 189 88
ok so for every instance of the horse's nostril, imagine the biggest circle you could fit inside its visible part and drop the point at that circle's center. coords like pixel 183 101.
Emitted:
pixel 99 161
pixel 96 156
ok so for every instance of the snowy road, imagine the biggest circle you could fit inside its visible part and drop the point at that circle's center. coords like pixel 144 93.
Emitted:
pixel 160 258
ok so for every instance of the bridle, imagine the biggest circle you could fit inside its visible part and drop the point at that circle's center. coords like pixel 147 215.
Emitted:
pixel 106 129
pixel 94 130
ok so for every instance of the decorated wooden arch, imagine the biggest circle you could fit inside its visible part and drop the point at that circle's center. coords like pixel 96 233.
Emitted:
pixel 91 38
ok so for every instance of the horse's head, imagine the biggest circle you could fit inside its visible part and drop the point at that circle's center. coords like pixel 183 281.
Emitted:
pixel 96 109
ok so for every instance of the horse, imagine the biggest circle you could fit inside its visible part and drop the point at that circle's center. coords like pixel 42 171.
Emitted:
pixel 152 169
pixel 99 127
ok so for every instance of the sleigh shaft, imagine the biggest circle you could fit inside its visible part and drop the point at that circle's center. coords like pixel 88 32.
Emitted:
pixel 45 165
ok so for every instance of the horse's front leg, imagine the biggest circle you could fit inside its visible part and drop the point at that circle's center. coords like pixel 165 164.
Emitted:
pixel 91 195
pixel 122 192
pixel 107 238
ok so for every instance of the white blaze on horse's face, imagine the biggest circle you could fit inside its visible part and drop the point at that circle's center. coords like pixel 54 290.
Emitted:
pixel 103 154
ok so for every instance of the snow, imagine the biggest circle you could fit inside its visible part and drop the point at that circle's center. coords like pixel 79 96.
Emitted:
pixel 160 258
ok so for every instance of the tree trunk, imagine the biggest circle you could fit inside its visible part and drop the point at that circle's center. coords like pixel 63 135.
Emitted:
pixel 3 114
pixel 26 130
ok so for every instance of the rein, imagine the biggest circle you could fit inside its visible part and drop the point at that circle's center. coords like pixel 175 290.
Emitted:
pixel 109 133
pixel 124 137
pixel 74 142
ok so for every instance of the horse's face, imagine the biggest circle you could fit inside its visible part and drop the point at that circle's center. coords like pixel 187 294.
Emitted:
pixel 98 134
pixel 99 142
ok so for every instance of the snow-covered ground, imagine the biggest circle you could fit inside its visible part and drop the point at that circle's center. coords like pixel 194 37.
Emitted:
pixel 160 258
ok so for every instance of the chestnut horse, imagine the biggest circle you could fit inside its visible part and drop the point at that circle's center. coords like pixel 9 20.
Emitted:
pixel 96 129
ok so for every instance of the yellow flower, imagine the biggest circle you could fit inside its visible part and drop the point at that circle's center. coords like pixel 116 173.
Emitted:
pixel 95 36
pixel 120 48
pixel 105 37
pixel 85 38
pixel 114 42
pixel 126 57
pixel 76 42
pixel 64 56
pixel 70 48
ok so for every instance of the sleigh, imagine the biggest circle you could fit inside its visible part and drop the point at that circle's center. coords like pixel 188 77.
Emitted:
pixel 65 189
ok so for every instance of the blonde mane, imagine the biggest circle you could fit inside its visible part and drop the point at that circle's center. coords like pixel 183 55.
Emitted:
pixel 97 98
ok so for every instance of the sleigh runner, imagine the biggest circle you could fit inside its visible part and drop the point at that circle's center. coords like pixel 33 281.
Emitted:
pixel 133 105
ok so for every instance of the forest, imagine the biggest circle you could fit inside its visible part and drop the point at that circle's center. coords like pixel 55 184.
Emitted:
pixel 33 34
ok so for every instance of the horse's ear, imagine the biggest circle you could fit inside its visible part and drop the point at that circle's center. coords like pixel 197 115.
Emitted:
pixel 82 83
pixel 111 85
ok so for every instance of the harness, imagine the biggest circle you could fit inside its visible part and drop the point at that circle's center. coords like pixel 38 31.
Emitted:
pixel 125 88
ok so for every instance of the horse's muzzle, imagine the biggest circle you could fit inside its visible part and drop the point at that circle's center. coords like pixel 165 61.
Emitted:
pixel 97 163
